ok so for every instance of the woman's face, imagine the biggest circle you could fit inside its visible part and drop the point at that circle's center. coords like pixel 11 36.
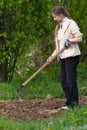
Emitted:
pixel 57 18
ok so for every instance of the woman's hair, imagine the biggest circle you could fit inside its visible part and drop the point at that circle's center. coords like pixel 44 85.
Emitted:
pixel 60 10
pixel 56 29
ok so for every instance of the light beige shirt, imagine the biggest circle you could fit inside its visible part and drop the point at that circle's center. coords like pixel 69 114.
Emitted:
pixel 69 30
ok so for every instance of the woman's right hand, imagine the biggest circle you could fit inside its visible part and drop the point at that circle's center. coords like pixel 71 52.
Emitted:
pixel 49 59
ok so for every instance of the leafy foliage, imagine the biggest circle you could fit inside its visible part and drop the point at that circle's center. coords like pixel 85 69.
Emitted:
pixel 22 23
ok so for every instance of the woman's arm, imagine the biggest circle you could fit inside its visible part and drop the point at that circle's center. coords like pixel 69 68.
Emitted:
pixel 76 40
pixel 75 31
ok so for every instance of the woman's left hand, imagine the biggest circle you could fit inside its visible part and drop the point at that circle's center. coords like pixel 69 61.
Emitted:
pixel 67 44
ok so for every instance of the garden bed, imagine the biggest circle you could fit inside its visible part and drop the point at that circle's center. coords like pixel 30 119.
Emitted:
pixel 35 109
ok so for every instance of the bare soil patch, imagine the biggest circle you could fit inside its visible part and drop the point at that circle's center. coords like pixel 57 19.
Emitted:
pixel 35 109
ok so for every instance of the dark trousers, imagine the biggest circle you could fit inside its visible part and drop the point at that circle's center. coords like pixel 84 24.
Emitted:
pixel 69 79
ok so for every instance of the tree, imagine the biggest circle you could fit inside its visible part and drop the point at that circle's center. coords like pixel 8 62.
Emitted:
pixel 22 23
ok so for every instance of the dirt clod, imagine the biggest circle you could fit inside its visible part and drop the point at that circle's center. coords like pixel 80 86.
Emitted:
pixel 49 97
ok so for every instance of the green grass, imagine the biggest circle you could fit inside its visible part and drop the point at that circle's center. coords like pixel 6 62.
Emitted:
pixel 71 120
pixel 46 82
pixel 5 91
pixel 43 84
pixel 35 89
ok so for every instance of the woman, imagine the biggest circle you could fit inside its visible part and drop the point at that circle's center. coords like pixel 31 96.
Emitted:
pixel 67 34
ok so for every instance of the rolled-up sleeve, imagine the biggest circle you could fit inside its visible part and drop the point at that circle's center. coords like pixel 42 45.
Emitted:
pixel 75 29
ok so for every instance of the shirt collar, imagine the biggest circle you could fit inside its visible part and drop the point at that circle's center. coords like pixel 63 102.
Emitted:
pixel 63 21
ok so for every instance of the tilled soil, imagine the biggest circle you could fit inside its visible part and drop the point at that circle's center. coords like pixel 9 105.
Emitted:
pixel 34 109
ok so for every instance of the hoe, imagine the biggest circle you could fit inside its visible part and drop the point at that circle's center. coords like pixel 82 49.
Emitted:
pixel 38 71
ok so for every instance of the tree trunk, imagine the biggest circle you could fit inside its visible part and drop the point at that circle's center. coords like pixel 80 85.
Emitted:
pixel 2 74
